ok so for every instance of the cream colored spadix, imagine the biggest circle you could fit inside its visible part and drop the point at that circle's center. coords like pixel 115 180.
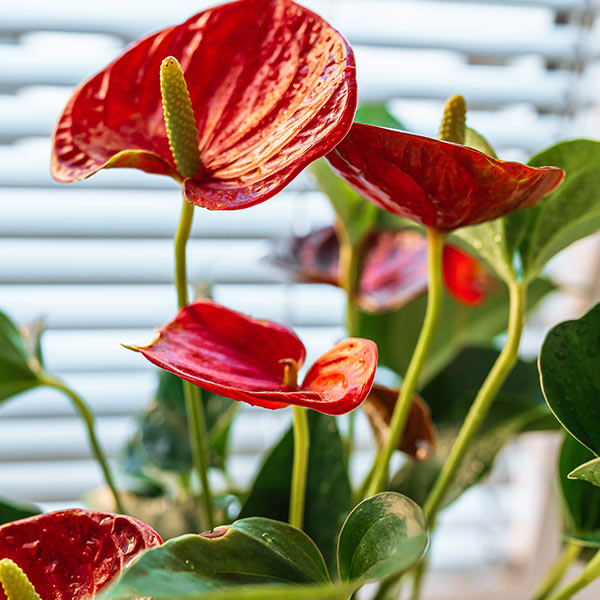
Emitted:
pixel 179 118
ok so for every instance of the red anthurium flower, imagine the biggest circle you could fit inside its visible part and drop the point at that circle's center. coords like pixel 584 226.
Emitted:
pixel 272 87
pixel 439 184
pixel 73 554
pixel 394 268
pixel 233 355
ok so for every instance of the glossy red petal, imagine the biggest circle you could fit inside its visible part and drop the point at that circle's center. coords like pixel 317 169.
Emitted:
pixel 466 279
pixel 272 85
pixel 394 270
pixel 73 554
pixel 226 352
pixel 342 377
pixel 438 184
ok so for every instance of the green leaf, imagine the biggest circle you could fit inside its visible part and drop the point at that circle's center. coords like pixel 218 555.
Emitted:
pixel 250 551
pixel 384 535
pixel 10 511
pixel 396 333
pixel 18 368
pixel 571 212
pixel 569 376
pixel 328 492
pixel 589 471
pixel 581 500
pixel 518 407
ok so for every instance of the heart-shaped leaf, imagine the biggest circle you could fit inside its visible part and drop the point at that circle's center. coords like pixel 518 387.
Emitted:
pixel 254 550
pixel 383 536
pixel 571 212
pixel 328 492
pixel 589 471
pixel 10 511
pixel 18 368
pixel 568 365
pixel 581 500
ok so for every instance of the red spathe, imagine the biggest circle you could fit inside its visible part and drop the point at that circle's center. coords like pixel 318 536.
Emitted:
pixel 439 184
pixel 272 85
pixel 239 357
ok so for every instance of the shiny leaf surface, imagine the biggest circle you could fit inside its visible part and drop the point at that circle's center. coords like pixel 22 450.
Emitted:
pixel 571 212
pixel 328 492
pixel 438 184
pixel 384 535
pixel 90 548
pixel 272 87
pixel 250 551
pixel 568 364
pixel 242 358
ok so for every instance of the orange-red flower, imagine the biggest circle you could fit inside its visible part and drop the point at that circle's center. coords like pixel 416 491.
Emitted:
pixel 439 184
pixel 272 86
pixel 246 359
pixel 74 553
pixel 393 269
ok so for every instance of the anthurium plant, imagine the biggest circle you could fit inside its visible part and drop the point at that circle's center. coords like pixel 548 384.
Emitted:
pixel 439 246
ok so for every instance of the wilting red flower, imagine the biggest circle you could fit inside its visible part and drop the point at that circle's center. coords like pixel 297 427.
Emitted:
pixel 439 184
pixel 418 436
pixel 73 554
pixel 239 357
pixel 272 85
pixel 394 267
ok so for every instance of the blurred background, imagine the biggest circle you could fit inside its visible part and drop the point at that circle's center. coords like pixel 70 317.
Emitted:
pixel 94 259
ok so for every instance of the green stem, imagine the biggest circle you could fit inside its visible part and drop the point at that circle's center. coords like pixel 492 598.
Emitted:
pixel 193 401
pixel 88 418
pixel 348 275
pixel 436 241
pixel 479 409
pixel 589 573
pixel 419 577
pixel 300 468
pixel 557 570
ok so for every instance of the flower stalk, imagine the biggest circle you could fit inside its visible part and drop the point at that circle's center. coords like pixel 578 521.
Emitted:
pixel 589 574
pixel 436 241
pixel 301 448
pixel 481 405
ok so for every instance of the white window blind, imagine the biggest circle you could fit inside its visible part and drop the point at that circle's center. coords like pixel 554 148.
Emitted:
pixel 95 258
